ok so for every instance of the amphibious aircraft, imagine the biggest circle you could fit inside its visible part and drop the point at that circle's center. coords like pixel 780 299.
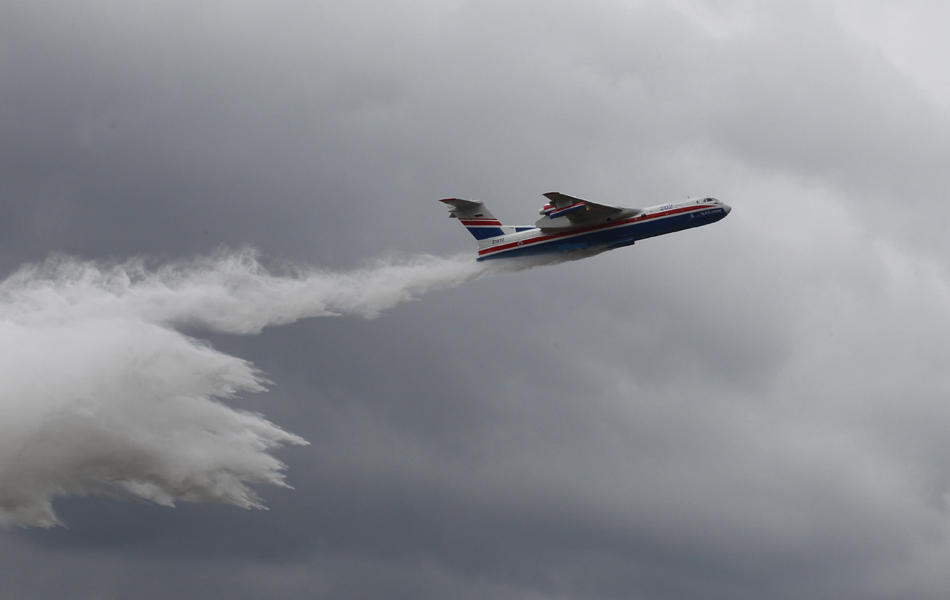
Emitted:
pixel 569 223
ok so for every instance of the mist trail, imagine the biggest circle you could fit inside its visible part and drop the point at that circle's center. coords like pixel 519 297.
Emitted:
pixel 102 393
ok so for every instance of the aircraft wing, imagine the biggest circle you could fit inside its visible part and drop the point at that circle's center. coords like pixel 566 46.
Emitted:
pixel 566 212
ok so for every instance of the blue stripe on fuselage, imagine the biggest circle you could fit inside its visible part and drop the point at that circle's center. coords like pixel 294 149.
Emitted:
pixel 482 233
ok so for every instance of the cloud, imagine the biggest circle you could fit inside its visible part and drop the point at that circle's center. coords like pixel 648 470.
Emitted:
pixel 753 409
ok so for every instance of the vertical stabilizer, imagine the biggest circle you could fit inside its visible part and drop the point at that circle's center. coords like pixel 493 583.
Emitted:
pixel 477 219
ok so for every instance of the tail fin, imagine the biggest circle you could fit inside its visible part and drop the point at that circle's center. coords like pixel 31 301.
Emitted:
pixel 475 217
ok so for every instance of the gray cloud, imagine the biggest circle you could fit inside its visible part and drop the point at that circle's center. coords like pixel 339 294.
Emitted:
pixel 750 409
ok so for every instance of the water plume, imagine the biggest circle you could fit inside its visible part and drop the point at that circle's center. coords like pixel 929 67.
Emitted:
pixel 101 392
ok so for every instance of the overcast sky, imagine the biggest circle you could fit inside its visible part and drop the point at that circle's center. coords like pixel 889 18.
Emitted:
pixel 758 408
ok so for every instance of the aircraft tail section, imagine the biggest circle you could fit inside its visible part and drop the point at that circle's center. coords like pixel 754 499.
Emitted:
pixel 477 219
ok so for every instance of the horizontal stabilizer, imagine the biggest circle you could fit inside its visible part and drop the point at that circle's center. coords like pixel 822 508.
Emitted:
pixel 467 209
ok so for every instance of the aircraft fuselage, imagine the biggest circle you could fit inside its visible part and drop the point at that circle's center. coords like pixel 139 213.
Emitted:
pixel 621 231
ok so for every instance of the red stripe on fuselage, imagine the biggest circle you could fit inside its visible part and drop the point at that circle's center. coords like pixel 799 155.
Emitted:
pixel 552 236
pixel 488 222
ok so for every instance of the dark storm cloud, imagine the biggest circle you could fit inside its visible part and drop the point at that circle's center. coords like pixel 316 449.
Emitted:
pixel 749 409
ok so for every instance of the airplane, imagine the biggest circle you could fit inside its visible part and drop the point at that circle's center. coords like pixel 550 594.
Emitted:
pixel 568 223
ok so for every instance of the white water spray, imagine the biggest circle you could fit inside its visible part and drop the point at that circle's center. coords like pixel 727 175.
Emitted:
pixel 99 392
